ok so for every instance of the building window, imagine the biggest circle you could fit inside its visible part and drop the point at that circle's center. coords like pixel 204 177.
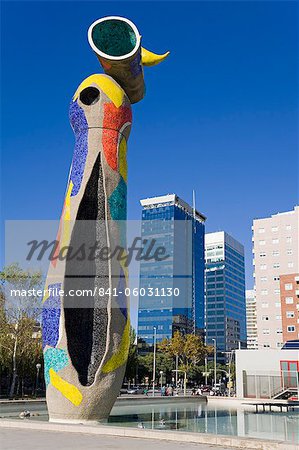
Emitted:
pixel 291 328
pixel 288 227
pixel 266 331
pixel 276 291
pixel 279 331
pixel 262 255
pixel 274 228
pixel 276 278
pixel 290 264
pixel 275 253
pixel 261 230
pixel 263 278
pixel 290 314
pixel 289 239
pixel 277 304
pixel 262 242
pixel 279 344
pixel 288 286
pixel 265 317
pixel 264 292
pixel 276 266
pixel 275 241
pixel 266 345
pixel 278 317
pixel 289 251
pixel 265 305
pixel 289 300
pixel 263 267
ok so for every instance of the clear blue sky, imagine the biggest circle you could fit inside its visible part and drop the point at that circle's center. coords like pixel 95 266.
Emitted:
pixel 220 115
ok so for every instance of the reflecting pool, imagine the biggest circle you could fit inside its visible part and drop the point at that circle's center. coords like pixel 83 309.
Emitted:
pixel 237 420
pixel 215 417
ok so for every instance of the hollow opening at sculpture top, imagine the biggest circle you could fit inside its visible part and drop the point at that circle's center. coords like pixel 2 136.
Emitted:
pixel 114 37
pixel 89 96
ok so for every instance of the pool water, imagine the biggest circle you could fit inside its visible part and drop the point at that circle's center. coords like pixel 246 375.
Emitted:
pixel 208 418
pixel 214 417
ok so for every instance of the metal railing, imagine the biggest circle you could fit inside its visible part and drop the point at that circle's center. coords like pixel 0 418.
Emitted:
pixel 269 385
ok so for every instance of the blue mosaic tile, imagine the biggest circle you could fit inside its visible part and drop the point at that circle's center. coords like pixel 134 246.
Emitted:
pixel 56 359
pixel 118 209
pixel 118 201
pixel 80 127
pixel 136 66
pixel 50 317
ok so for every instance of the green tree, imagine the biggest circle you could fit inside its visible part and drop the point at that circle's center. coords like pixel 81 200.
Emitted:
pixel 189 349
pixel 221 370
pixel 20 344
pixel 164 363
pixel 132 362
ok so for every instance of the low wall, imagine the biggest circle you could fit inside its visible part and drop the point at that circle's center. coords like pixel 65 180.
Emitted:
pixel 178 436
pixel 143 400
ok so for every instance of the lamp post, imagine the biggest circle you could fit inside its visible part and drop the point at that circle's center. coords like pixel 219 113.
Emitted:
pixel 161 379
pixel 230 358
pixel 206 371
pixel 154 361
pixel 38 367
pixel 229 375
pixel 215 365
pixel 185 383
pixel 176 370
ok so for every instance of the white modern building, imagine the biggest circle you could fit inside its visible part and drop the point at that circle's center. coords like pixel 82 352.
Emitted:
pixel 275 253
pixel 267 373
pixel 251 324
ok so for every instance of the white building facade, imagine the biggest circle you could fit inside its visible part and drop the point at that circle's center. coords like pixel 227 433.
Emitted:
pixel 251 318
pixel 275 253
pixel 267 373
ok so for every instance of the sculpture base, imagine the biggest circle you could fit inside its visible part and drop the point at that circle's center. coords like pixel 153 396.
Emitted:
pixel 75 421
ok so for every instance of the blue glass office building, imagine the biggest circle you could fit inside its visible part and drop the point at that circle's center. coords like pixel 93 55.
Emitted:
pixel 175 226
pixel 225 292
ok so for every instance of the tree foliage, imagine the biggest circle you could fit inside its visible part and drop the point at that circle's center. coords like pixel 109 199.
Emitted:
pixel 163 363
pixel 20 336
pixel 132 362
pixel 189 349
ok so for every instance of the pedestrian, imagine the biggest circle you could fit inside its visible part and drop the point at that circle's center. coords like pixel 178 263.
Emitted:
pixel 169 391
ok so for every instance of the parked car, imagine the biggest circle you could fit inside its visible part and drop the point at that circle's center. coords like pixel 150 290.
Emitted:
pixel 135 390
pixel 157 391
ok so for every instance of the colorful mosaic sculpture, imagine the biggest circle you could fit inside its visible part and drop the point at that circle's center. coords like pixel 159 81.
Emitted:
pixel 86 337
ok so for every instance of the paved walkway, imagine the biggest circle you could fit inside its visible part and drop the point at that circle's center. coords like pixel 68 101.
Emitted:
pixel 16 439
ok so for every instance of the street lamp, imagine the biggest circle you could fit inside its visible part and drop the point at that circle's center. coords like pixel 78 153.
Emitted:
pixel 161 379
pixel 215 363
pixel 38 367
pixel 206 370
pixel 230 358
pixel 154 361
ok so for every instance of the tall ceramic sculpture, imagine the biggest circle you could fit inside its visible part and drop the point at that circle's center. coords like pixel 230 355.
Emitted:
pixel 86 337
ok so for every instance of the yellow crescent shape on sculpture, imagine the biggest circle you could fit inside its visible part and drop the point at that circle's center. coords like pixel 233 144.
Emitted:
pixel 151 59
